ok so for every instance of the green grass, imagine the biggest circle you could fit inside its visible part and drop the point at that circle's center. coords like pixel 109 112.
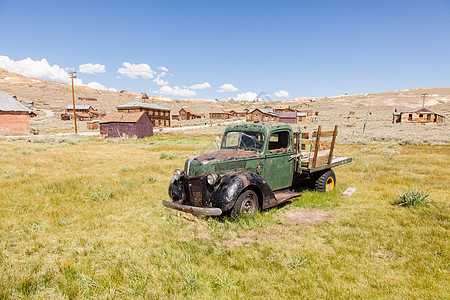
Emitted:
pixel 86 221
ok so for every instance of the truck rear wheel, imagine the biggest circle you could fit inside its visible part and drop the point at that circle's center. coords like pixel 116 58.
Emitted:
pixel 325 182
pixel 246 205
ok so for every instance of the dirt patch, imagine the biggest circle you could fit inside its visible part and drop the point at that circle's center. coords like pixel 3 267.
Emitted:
pixel 306 216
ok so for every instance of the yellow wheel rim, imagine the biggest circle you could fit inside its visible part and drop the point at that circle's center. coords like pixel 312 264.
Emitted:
pixel 330 184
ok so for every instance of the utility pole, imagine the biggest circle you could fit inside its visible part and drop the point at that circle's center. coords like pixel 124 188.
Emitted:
pixel 367 116
pixel 423 101
pixel 73 101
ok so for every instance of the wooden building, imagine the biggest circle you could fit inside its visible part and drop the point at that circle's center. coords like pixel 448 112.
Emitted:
pixel 14 117
pixel 83 113
pixel 221 114
pixel 262 115
pixel 187 114
pixel 417 115
pixel 283 108
pixel 293 117
pixel 289 117
pixel 238 114
pixel 160 116
pixel 87 99
pixel 93 125
pixel 126 125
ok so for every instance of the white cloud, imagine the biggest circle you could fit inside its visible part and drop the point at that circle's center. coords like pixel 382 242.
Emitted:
pixel 176 91
pixel 163 69
pixel 227 87
pixel 249 96
pixel 99 86
pixel 136 70
pixel 200 86
pixel 92 69
pixel 37 68
pixel 160 81
pixel 282 93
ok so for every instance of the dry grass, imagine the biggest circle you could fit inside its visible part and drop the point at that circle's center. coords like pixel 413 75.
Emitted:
pixel 84 219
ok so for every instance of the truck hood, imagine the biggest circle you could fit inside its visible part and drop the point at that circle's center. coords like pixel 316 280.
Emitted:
pixel 206 163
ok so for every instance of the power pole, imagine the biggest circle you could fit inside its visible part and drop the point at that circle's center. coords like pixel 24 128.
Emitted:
pixel 423 101
pixel 73 101
pixel 367 116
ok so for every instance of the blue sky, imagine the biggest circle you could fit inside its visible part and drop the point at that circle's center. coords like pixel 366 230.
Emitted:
pixel 287 49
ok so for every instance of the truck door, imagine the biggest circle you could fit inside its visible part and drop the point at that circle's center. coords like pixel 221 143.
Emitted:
pixel 278 168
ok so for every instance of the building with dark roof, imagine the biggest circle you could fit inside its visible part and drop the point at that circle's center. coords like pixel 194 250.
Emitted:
pixel 14 117
pixel 126 125
pixel 416 115
pixel 160 116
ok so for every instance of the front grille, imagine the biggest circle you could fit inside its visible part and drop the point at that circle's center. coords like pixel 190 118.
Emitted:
pixel 195 186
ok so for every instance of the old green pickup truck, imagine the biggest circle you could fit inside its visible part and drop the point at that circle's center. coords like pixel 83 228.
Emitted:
pixel 258 166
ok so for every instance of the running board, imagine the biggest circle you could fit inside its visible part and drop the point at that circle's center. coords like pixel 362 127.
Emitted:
pixel 285 195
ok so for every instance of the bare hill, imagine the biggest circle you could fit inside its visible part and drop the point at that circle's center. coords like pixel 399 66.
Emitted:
pixel 52 97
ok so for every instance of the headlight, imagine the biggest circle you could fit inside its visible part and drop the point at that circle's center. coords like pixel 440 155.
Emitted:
pixel 212 178
pixel 177 174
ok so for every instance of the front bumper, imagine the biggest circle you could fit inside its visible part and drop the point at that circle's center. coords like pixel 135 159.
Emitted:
pixel 203 211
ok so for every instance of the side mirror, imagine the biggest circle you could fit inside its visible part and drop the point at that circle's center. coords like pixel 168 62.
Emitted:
pixel 217 139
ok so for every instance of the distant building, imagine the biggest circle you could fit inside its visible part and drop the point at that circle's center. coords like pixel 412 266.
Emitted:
pixel 220 114
pixel 93 125
pixel 160 116
pixel 83 113
pixel 187 114
pixel 87 99
pixel 126 125
pixel 262 115
pixel 417 115
pixel 289 117
pixel 292 117
pixel 14 117
pixel 239 114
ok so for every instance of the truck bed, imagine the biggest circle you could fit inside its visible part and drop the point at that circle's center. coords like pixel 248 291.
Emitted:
pixel 322 161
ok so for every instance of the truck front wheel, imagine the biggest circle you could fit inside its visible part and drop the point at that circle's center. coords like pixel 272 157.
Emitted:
pixel 325 182
pixel 246 205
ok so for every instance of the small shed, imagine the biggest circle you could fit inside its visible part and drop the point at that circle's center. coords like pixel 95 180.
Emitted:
pixel 14 117
pixel 93 125
pixel 127 125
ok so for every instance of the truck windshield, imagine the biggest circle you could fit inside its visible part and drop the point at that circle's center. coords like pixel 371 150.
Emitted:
pixel 245 140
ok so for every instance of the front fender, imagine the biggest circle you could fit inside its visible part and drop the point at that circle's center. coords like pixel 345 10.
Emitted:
pixel 232 184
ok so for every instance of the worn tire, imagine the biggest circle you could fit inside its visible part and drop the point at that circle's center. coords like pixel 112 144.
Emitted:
pixel 326 182
pixel 246 205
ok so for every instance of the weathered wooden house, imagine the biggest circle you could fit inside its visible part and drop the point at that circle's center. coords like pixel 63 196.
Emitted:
pixel 87 99
pixel 238 114
pixel 160 116
pixel 93 125
pixel 187 114
pixel 292 117
pixel 126 125
pixel 220 114
pixel 289 117
pixel 262 115
pixel 83 113
pixel 14 117
pixel 417 115
pixel 283 108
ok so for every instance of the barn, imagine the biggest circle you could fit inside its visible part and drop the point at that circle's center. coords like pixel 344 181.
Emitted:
pixel 126 125
pixel 14 117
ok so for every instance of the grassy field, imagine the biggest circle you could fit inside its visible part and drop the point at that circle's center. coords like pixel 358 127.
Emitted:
pixel 84 219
